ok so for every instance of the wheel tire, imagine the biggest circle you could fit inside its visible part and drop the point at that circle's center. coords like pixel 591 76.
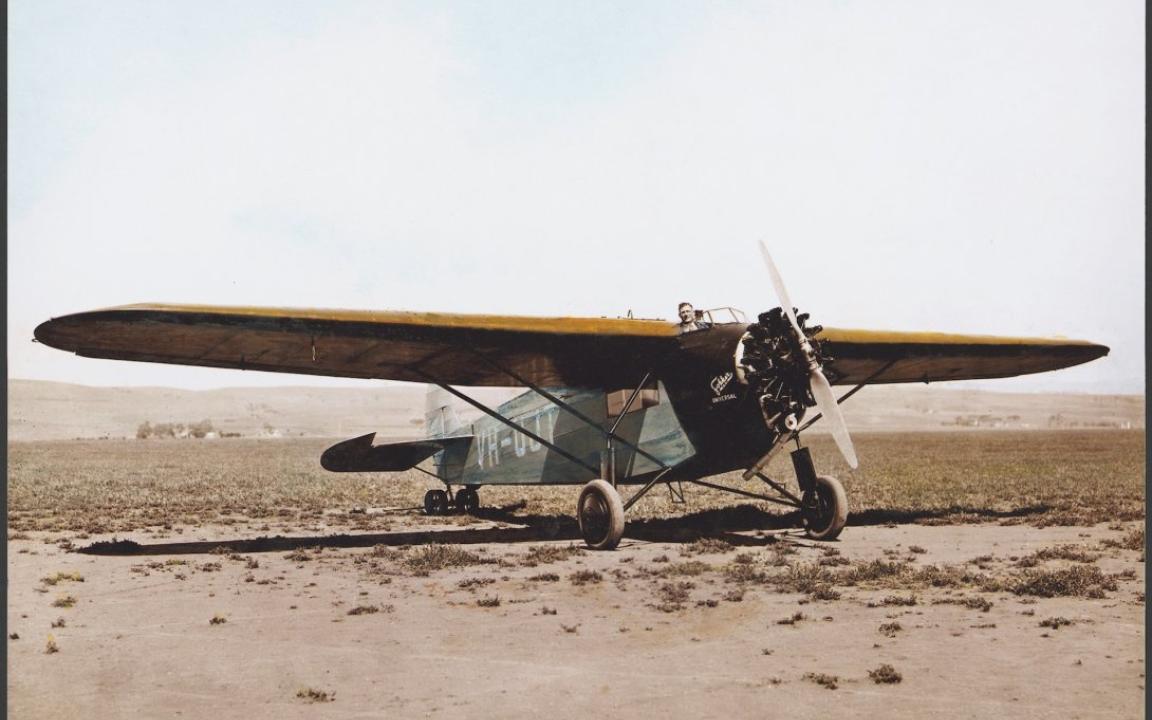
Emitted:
pixel 467 500
pixel 436 502
pixel 825 509
pixel 601 515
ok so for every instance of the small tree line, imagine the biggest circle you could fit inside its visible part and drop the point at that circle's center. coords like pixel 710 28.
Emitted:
pixel 198 430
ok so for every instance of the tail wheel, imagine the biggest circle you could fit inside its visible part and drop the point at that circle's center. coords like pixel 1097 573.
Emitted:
pixel 436 502
pixel 467 500
pixel 601 515
pixel 825 509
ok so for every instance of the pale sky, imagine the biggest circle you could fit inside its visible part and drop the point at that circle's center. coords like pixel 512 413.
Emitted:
pixel 953 166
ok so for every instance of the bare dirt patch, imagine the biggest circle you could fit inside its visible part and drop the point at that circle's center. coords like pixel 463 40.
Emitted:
pixel 992 581
pixel 139 645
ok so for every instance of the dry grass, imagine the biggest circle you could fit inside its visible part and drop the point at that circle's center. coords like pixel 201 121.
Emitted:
pixel 64 601
pixel 972 602
pixel 830 682
pixel 1134 540
pixel 691 568
pixel 817 581
pixel 885 674
pixel 116 486
pixel 313 695
pixel 707 546
pixel 62 576
pixel 1059 552
pixel 1056 622
pixel 472 583
pixel 546 554
pixel 364 610
pixel 585 577
pixel 744 571
pixel 426 559
pixel 1075 581
pixel 889 629
pixel 802 577
pixel 672 597
pixel 218 619
pixel 824 592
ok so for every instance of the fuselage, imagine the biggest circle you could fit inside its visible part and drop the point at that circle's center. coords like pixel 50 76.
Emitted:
pixel 696 416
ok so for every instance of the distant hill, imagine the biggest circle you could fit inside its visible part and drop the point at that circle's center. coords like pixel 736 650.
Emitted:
pixel 939 407
pixel 47 410
pixel 39 410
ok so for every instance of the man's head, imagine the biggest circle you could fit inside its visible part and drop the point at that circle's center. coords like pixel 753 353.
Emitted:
pixel 687 312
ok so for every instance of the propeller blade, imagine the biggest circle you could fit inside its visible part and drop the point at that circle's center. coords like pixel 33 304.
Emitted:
pixel 830 409
pixel 781 291
pixel 821 389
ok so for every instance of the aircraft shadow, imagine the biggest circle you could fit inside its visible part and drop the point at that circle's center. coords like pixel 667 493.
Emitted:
pixel 722 523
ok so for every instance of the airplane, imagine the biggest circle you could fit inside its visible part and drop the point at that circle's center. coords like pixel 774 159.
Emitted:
pixel 610 402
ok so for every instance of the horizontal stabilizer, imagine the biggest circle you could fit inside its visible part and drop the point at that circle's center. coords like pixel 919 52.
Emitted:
pixel 360 455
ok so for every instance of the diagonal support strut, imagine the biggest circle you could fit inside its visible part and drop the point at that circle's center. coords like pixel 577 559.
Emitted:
pixel 610 435
pixel 515 426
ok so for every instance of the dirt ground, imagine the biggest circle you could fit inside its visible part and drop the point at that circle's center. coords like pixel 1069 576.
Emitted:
pixel 491 622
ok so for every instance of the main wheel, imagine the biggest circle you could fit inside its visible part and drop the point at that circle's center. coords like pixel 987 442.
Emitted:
pixel 436 502
pixel 601 515
pixel 825 509
pixel 467 500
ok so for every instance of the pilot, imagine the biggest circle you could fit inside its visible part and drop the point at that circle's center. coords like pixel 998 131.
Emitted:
pixel 689 319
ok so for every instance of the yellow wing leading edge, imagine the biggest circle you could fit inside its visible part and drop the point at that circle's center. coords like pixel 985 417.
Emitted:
pixel 459 349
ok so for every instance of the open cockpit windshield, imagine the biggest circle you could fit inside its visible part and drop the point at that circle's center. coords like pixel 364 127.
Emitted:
pixel 724 316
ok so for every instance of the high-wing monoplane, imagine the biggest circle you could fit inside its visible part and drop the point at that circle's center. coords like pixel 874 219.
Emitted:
pixel 609 402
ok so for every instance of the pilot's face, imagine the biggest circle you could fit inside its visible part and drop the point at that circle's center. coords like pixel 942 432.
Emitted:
pixel 687 314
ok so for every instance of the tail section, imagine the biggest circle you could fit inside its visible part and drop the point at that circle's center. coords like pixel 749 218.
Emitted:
pixel 440 416
pixel 360 455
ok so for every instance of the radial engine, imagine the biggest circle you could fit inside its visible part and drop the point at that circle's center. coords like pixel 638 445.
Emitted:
pixel 771 361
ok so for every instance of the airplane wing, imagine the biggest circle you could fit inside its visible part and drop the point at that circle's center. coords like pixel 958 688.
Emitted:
pixel 455 349
pixel 897 357
pixel 416 347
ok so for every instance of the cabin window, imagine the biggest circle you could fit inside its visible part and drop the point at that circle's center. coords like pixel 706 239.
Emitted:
pixel 617 398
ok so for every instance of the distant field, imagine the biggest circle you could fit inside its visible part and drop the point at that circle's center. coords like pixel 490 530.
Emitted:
pixel 61 411
pixel 1041 477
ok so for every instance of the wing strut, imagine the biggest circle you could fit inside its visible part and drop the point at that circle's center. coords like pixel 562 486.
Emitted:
pixel 609 464
pixel 515 426
pixel 849 394
pixel 607 469
pixel 758 469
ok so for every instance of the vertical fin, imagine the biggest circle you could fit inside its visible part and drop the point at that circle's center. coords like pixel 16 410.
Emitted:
pixel 440 416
